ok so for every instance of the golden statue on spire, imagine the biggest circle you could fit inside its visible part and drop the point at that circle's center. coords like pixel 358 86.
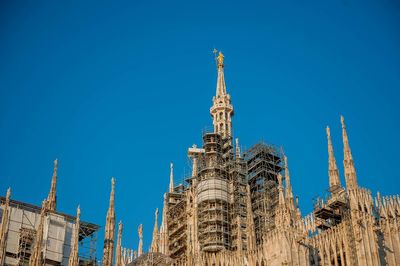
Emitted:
pixel 220 59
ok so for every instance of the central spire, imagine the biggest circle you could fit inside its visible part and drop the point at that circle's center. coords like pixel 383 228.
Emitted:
pixel 222 109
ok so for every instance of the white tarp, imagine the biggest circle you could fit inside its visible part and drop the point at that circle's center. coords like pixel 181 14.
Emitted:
pixel 212 189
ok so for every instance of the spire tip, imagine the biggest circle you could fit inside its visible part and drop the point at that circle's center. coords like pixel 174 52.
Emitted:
pixel 55 166
pixel 342 120
pixel 8 195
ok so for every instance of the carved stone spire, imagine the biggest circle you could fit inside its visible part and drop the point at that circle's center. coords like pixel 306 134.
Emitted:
pixel 250 229
pixel 349 169
pixel 52 198
pixel 36 255
pixel 280 191
pixel 108 251
pixel 73 257
pixel 289 191
pixel 118 259
pixel 282 214
pixel 155 241
pixel 164 229
pixel 140 247
pixel 222 109
pixel 333 172
pixel 4 227
pixel 171 178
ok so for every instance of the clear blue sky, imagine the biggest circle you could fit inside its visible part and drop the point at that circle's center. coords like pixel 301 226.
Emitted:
pixel 121 89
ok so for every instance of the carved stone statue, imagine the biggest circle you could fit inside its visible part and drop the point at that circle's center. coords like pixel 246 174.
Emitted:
pixel 140 231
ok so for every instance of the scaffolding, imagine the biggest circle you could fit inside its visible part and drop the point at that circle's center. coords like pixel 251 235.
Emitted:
pixel 213 195
pixel 219 184
pixel 177 224
pixel 237 177
pixel 331 211
pixel 335 210
pixel 24 218
pixel 264 162
pixel 27 236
